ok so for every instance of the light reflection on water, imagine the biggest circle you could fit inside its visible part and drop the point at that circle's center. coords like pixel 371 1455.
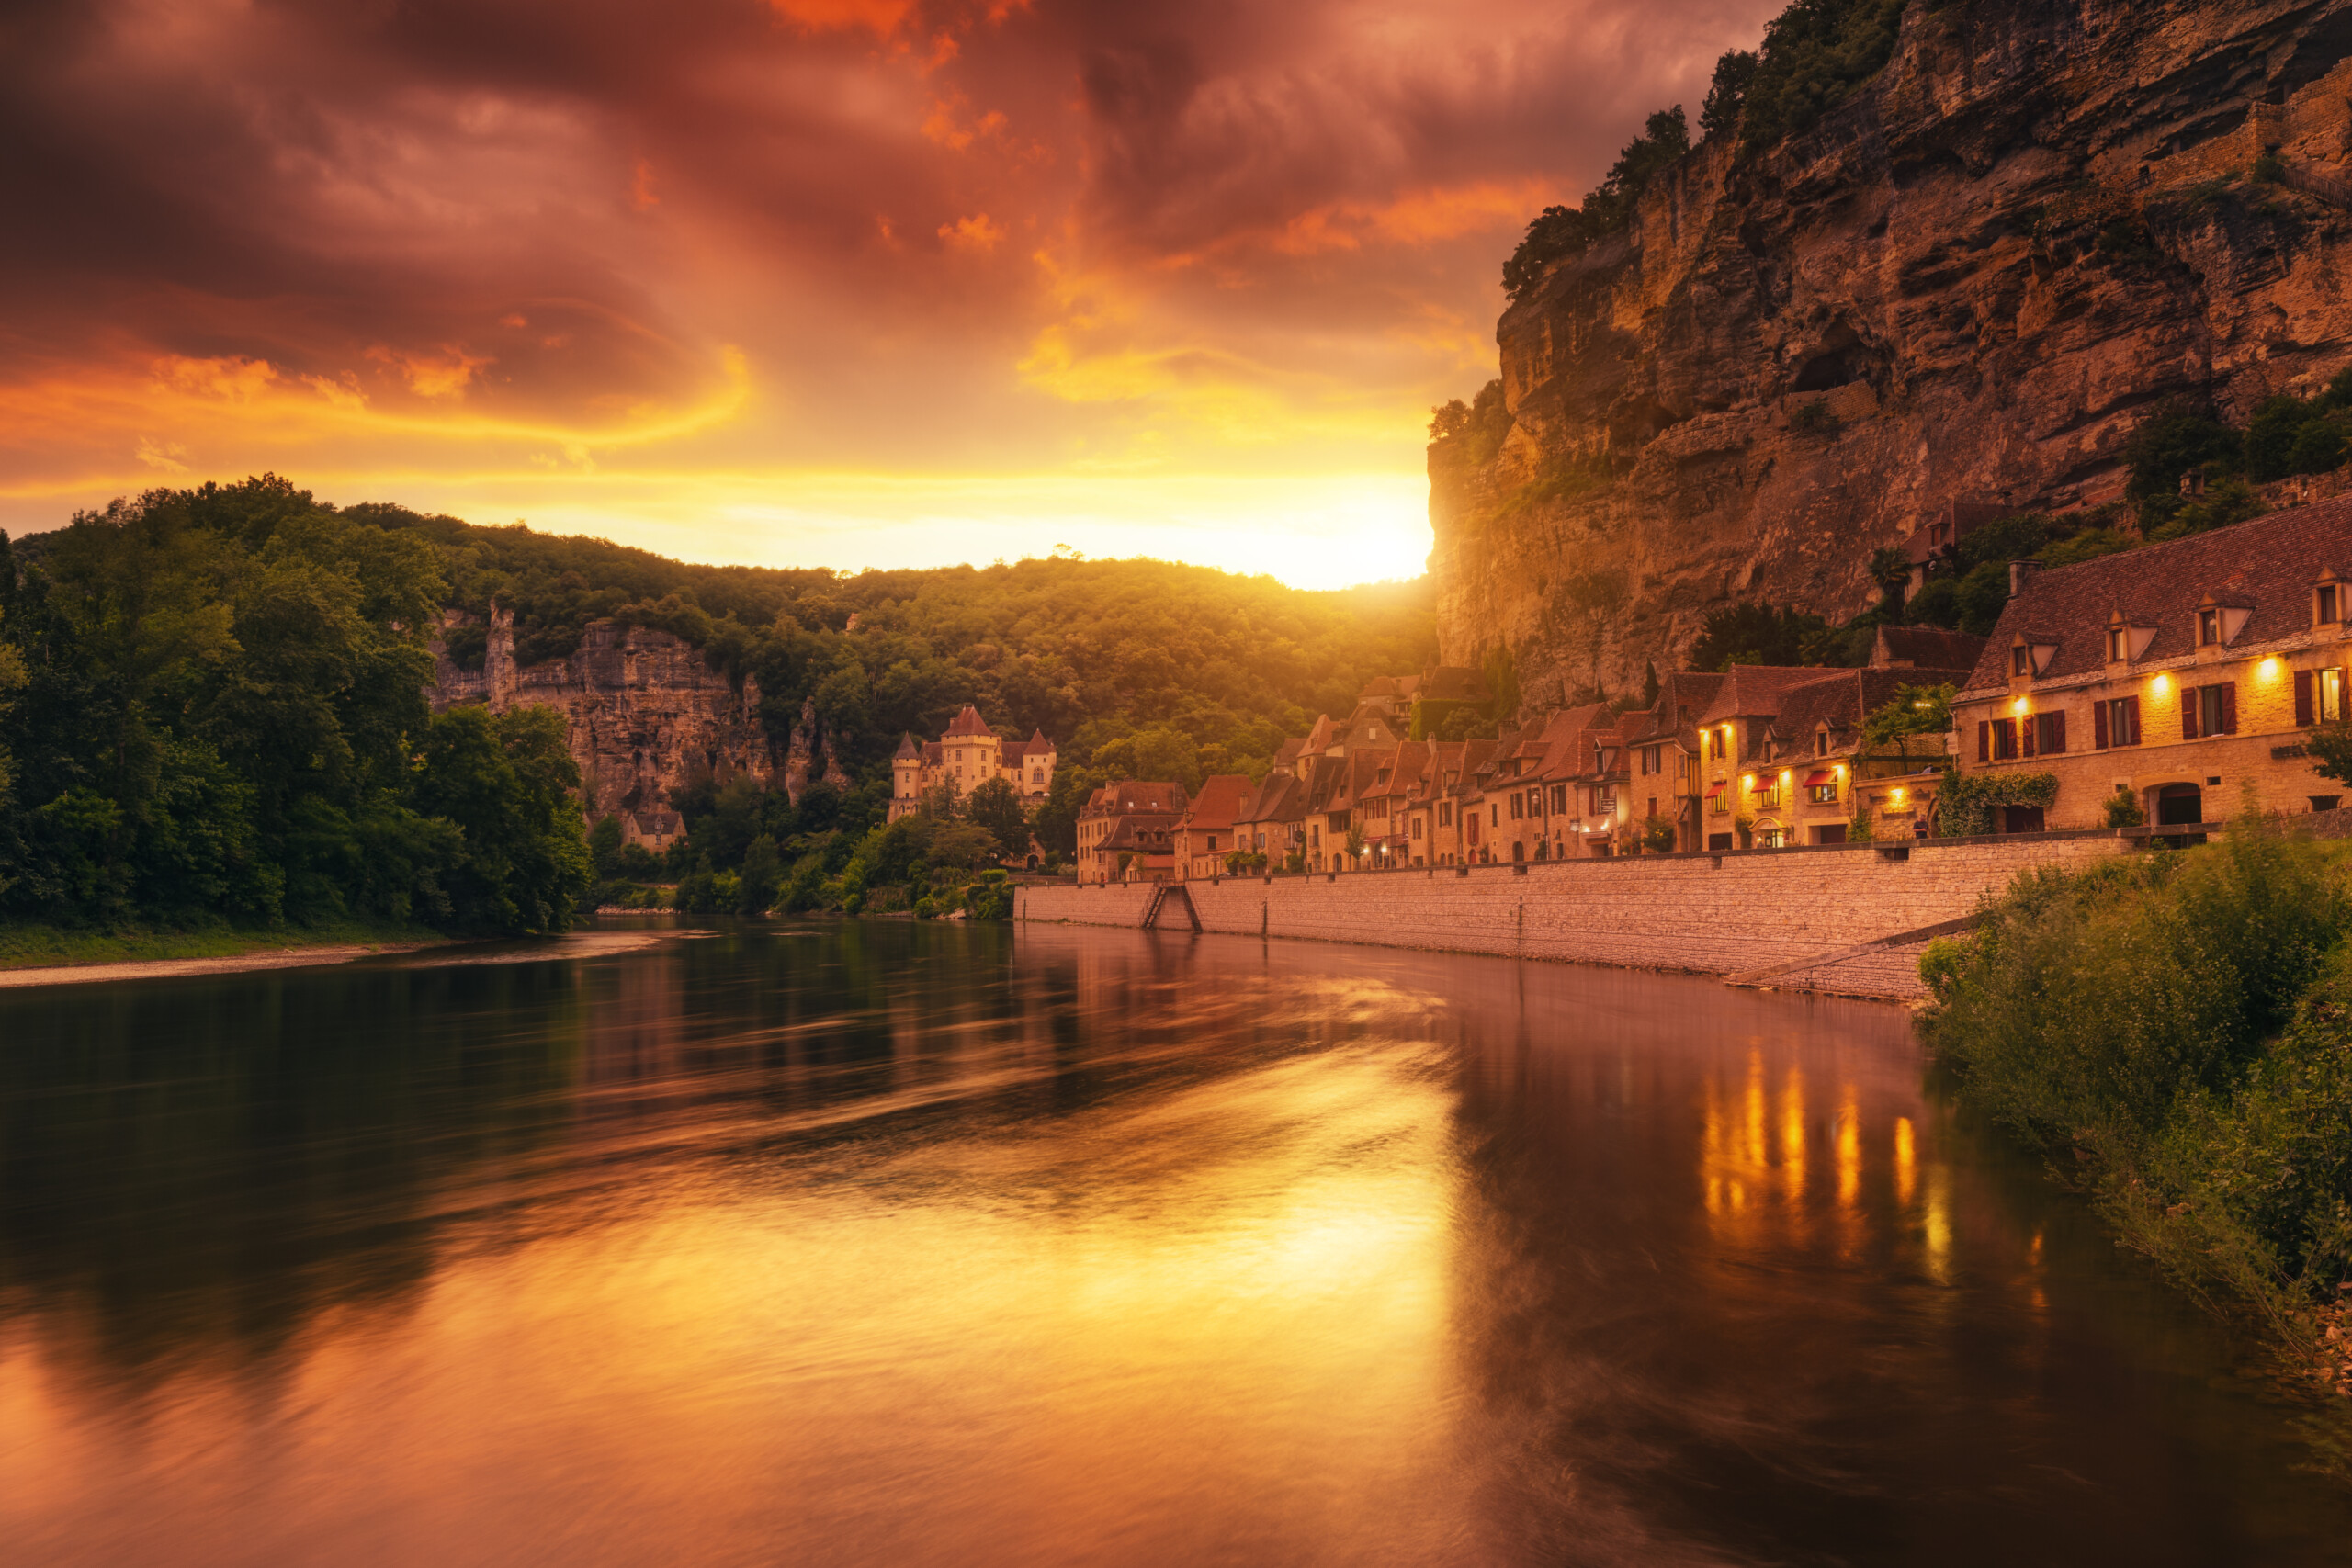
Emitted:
pixel 882 1243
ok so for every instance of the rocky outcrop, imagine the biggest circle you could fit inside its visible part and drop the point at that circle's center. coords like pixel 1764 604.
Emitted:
pixel 645 711
pixel 1965 284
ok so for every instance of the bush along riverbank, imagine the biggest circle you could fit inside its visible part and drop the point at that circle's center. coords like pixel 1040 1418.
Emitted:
pixel 2177 1029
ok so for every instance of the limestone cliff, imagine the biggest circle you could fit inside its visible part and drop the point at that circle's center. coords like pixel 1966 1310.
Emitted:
pixel 1963 285
pixel 645 710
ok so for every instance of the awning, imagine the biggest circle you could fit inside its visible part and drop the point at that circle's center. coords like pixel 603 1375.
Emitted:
pixel 1819 776
pixel 1714 789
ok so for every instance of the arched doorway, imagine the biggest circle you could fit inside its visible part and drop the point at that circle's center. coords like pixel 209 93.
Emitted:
pixel 2179 803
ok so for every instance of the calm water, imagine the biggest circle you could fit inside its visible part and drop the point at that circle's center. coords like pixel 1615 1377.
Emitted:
pixel 886 1244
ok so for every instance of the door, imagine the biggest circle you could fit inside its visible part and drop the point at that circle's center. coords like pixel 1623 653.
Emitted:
pixel 2179 803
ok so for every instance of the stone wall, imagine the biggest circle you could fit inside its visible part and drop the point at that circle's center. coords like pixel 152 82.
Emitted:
pixel 1730 914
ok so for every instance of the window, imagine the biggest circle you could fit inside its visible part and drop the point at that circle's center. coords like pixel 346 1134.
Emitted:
pixel 2115 722
pixel 1417 827
pixel 2209 627
pixel 2328 605
pixel 2209 710
pixel 1653 758
pixel 2020 661
pixel 1822 793
pixel 1719 803
pixel 1996 739
pixel 1821 743
pixel 2118 642
pixel 1559 799
pixel 1767 792
pixel 1212 843
pixel 2319 696
pixel 1445 814
pixel 2047 738
pixel 1516 811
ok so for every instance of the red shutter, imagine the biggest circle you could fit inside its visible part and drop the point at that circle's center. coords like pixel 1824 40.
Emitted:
pixel 2188 713
pixel 2028 725
pixel 2131 713
pixel 2230 708
pixel 2302 698
pixel 2098 726
pixel 1983 741
pixel 2057 745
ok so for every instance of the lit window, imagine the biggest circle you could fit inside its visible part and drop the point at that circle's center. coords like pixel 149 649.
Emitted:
pixel 2209 627
pixel 2020 661
pixel 2331 695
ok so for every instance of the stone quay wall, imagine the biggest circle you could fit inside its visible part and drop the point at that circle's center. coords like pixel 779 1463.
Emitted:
pixel 1732 914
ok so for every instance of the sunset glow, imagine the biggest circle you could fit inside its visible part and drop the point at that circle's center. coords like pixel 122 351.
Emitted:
pixel 844 282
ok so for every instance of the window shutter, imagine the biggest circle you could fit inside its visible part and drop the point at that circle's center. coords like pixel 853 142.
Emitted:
pixel 2303 696
pixel 2230 708
pixel 2098 726
pixel 1983 740
pixel 2057 734
pixel 2188 713
pixel 2131 713
pixel 2028 725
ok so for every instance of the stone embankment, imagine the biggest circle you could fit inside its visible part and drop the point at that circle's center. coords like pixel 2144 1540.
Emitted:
pixel 1848 919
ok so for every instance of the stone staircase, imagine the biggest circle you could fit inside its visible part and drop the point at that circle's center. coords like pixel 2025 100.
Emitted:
pixel 1163 897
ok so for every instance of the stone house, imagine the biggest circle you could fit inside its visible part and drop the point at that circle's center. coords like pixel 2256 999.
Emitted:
pixel 2177 674
pixel 1385 811
pixel 1126 831
pixel 1662 747
pixel 1831 781
pixel 1272 821
pixel 968 755
pixel 1208 832
pixel 654 832
pixel 1746 772
pixel 1434 825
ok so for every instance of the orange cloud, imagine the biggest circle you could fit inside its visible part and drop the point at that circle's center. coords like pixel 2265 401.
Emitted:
pixel 164 457
pixel 1416 218
pixel 231 379
pixel 641 187
pixel 429 376
pixel 883 19
pixel 978 233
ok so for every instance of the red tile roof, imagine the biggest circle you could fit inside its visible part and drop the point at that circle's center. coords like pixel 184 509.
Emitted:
pixel 1222 795
pixel 968 722
pixel 2269 564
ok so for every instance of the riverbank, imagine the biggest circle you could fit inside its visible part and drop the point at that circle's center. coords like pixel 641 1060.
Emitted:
pixel 2175 1030
pixel 49 955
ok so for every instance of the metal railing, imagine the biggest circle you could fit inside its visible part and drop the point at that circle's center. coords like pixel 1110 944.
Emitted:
pixel 2311 180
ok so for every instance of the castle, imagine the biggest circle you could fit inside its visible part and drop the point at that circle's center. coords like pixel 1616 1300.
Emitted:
pixel 969 756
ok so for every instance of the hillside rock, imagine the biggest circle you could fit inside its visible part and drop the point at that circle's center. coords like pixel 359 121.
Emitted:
pixel 645 712
pixel 1963 285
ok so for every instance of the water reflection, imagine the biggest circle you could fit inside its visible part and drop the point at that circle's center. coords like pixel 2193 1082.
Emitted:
pixel 868 1243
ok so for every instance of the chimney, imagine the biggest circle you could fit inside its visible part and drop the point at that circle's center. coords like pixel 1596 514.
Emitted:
pixel 2021 573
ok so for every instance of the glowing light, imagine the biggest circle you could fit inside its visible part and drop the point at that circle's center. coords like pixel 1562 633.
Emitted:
pixel 2269 668
pixel 2017 707
pixel 1748 780
pixel 2161 685
pixel 1896 797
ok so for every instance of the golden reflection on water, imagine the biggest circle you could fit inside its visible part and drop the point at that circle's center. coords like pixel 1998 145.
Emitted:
pixel 886 1244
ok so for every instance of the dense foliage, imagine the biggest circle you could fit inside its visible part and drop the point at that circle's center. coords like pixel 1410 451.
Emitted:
pixel 1814 55
pixel 2183 1021
pixel 1607 209
pixel 219 710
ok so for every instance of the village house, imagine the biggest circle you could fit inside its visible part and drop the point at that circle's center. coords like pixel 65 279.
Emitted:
pixel 1434 816
pixel 1831 781
pixel 653 831
pixel 1126 831
pixel 1209 830
pixel 968 756
pixel 1272 821
pixel 2175 675
pixel 1747 772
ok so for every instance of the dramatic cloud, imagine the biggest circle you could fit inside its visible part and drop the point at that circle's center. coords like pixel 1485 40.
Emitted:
pixel 841 281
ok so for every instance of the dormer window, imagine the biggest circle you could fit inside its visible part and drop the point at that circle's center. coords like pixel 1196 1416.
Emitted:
pixel 2327 604
pixel 2209 627
pixel 2118 642
pixel 2021 661
pixel 1821 743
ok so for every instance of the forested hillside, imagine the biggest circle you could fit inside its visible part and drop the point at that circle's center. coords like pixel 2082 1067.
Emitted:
pixel 215 698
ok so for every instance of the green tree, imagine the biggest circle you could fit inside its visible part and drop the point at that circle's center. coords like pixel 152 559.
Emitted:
pixel 1912 713
pixel 604 847
pixel 996 806
pixel 506 784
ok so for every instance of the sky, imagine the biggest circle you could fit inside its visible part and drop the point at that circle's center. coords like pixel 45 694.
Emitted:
pixel 840 283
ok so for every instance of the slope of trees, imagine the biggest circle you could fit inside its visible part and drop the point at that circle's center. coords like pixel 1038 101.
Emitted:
pixel 215 708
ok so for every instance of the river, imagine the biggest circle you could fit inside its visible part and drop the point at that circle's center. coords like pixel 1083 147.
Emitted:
pixel 885 1243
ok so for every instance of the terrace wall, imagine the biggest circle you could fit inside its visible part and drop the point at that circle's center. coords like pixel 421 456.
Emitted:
pixel 1727 914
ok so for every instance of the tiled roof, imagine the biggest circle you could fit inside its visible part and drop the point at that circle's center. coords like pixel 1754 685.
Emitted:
pixel 1135 795
pixel 908 750
pixel 1286 754
pixel 1222 795
pixel 1282 798
pixel 1845 698
pixel 1925 647
pixel 1144 832
pixel 1755 691
pixel 2269 564
pixel 933 754
pixel 968 722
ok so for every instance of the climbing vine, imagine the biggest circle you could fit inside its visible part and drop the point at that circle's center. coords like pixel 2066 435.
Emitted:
pixel 1966 803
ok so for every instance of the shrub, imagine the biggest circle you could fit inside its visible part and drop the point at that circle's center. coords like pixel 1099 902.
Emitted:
pixel 2122 809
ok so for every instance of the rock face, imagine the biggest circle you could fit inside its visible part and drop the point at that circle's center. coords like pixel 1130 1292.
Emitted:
pixel 645 711
pixel 1965 285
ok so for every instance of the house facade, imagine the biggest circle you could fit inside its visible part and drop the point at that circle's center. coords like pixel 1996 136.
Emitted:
pixel 1208 832
pixel 1126 831
pixel 2182 675
pixel 968 755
